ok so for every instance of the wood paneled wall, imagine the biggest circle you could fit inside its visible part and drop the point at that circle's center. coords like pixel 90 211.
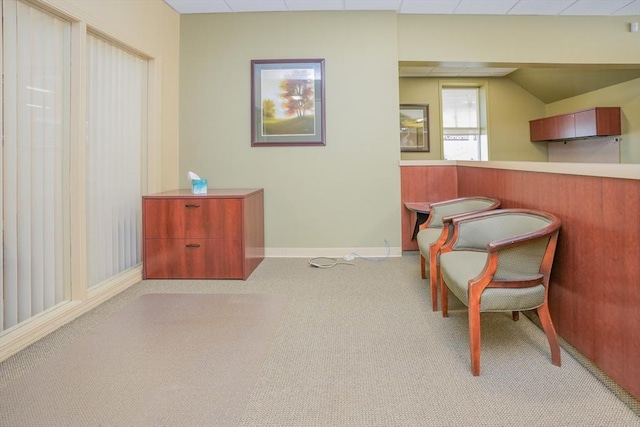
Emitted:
pixel 424 184
pixel 595 283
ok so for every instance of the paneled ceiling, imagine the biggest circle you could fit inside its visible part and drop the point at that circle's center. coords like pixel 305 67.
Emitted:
pixel 549 84
pixel 462 7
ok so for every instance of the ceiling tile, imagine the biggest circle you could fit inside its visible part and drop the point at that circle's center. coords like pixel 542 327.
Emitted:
pixel 485 7
pixel 469 7
pixel 448 69
pixel 540 7
pixel 595 7
pixel 632 8
pixel 428 6
pixel 414 71
pixel 257 5
pixel 314 4
pixel 372 4
pixel 199 6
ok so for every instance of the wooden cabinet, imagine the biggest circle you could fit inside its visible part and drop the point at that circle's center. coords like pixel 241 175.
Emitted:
pixel 599 121
pixel 566 126
pixel 540 129
pixel 219 235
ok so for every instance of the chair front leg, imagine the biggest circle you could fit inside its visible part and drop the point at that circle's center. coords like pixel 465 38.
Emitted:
pixel 474 335
pixel 444 295
pixel 433 277
pixel 550 331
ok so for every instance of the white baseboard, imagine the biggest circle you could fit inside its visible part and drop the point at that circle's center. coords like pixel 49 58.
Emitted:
pixel 370 252
pixel 30 331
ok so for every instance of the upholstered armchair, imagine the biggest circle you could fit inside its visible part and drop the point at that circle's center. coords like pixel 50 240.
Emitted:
pixel 500 261
pixel 436 230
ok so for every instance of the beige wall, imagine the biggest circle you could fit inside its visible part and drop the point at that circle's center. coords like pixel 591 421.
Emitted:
pixel 624 95
pixel 325 197
pixel 424 91
pixel 509 110
pixel 342 196
pixel 518 39
pixel 153 29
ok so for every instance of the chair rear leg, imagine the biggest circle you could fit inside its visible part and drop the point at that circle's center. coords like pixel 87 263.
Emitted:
pixel 515 315
pixel 423 267
pixel 550 331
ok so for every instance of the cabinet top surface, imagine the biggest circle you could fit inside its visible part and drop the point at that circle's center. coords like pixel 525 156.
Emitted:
pixel 211 193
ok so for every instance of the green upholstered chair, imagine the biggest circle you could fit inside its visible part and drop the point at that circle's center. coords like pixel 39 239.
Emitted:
pixel 500 261
pixel 435 231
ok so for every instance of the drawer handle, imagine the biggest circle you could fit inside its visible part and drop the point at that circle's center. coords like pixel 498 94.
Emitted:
pixel 192 206
pixel 193 245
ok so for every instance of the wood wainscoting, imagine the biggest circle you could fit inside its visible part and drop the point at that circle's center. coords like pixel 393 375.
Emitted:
pixel 595 282
pixel 418 185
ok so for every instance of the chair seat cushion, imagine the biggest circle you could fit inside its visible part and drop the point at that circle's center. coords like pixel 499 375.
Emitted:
pixel 458 267
pixel 426 237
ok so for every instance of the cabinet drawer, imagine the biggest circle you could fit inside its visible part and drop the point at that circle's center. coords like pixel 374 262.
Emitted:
pixel 193 258
pixel 193 218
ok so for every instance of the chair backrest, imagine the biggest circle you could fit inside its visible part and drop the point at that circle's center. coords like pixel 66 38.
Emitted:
pixel 502 224
pixel 509 230
pixel 462 205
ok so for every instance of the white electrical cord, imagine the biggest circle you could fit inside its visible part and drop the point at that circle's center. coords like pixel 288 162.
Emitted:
pixel 324 262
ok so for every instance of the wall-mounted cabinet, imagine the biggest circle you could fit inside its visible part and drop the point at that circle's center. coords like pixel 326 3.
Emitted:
pixel 598 121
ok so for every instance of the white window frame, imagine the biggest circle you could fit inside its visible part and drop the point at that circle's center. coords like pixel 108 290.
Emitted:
pixel 480 132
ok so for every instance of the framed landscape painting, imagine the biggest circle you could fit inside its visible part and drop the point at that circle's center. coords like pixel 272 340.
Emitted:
pixel 414 127
pixel 287 102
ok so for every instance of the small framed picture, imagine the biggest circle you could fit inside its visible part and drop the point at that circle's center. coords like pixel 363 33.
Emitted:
pixel 287 102
pixel 414 127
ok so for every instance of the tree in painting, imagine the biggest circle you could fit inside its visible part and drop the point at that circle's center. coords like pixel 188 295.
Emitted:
pixel 268 108
pixel 288 102
pixel 297 95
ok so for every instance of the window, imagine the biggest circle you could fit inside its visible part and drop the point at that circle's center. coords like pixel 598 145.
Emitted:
pixel 35 125
pixel 116 139
pixel 464 133
pixel 46 214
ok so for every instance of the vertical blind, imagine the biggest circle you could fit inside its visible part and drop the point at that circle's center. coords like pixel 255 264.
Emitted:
pixel 36 67
pixel 36 197
pixel 116 137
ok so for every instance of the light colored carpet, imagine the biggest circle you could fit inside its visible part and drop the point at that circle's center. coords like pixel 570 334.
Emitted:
pixel 161 360
pixel 355 346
